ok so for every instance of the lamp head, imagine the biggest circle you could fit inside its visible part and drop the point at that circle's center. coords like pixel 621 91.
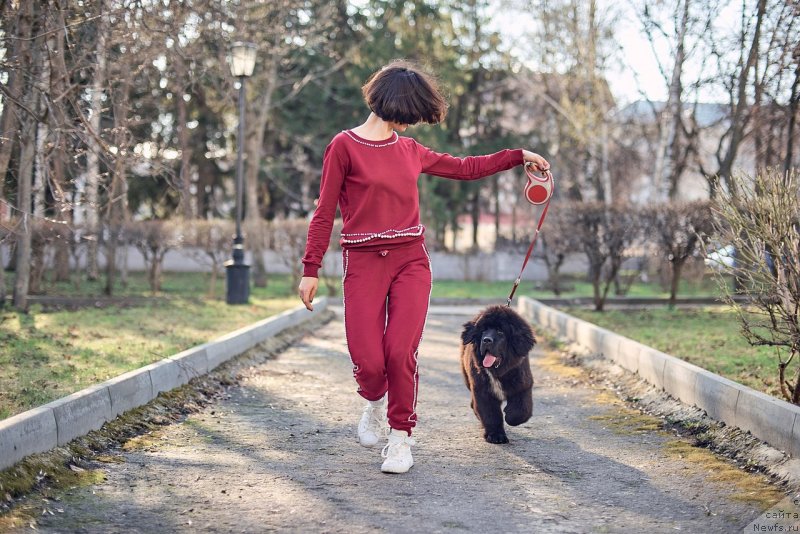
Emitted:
pixel 242 58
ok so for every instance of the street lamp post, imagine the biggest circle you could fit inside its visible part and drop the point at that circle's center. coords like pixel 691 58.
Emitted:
pixel 242 60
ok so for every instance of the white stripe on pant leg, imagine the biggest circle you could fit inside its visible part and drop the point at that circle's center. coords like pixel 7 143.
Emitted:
pixel 344 310
pixel 413 416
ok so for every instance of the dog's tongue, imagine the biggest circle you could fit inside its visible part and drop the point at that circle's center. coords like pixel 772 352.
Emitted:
pixel 489 360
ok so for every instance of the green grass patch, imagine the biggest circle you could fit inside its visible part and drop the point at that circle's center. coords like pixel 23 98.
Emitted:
pixel 575 289
pixel 46 355
pixel 707 337
pixel 173 284
pixel 199 285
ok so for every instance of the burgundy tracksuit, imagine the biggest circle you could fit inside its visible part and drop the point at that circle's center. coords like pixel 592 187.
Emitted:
pixel 386 267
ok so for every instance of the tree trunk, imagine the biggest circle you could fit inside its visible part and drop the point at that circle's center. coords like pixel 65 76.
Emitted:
pixel 2 279
pixel 256 125
pixel 64 242
pixel 58 159
pixel 514 223
pixel 605 174
pixel 794 100
pixel 740 107
pixel 40 170
pixel 9 121
pixel 476 218
pixel 670 119
pixel 677 268
pixel 599 301
pixel 24 190
pixel 155 271
pixel 123 270
pixel 496 199
pixel 184 140
pixel 206 168
pixel 93 153
pixel 117 193
pixel 38 259
pixel 554 276
pixel 27 141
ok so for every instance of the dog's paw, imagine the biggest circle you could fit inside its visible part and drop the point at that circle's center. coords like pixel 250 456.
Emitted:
pixel 496 437
pixel 516 419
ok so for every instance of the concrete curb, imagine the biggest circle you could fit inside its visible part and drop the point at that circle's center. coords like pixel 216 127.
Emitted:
pixel 59 422
pixel 770 419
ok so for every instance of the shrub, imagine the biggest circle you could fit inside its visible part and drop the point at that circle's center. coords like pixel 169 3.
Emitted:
pixel 558 241
pixel 677 228
pixel 208 242
pixel 154 239
pixel 288 237
pixel 760 217
pixel 606 233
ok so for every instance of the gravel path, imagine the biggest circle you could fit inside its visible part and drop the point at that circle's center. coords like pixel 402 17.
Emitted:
pixel 278 453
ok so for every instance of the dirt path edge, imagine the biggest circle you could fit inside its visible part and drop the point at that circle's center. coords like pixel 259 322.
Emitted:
pixel 40 475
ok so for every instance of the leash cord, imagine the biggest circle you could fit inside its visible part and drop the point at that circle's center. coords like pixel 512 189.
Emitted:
pixel 548 178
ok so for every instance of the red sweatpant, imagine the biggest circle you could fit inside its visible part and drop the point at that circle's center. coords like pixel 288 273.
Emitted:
pixel 386 296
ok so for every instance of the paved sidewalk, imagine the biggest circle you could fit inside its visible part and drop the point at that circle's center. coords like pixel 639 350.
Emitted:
pixel 279 454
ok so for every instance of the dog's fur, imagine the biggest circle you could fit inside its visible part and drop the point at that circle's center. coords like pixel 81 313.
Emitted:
pixel 501 332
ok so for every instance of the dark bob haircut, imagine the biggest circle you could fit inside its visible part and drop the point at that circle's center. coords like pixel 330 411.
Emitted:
pixel 402 93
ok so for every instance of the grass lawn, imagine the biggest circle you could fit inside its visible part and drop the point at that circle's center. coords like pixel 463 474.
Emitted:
pixel 707 337
pixel 44 356
pixel 577 288
pixel 197 284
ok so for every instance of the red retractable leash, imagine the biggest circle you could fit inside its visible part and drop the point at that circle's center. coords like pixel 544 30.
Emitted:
pixel 539 190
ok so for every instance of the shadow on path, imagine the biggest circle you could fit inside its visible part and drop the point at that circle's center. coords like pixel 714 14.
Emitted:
pixel 279 454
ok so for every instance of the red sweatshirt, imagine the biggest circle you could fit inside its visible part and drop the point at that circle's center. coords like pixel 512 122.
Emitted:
pixel 375 186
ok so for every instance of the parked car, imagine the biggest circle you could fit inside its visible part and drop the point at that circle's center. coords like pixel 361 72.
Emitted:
pixel 722 258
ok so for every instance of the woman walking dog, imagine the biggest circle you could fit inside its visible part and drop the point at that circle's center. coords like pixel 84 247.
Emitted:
pixel 371 173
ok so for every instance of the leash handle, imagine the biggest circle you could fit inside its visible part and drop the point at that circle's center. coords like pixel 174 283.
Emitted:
pixel 538 191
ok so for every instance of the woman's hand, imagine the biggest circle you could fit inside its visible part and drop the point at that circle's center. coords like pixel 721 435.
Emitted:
pixel 308 289
pixel 538 161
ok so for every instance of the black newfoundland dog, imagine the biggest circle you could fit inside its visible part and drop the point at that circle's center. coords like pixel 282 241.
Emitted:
pixel 494 360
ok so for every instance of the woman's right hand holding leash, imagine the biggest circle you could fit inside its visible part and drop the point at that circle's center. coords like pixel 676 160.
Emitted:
pixel 536 160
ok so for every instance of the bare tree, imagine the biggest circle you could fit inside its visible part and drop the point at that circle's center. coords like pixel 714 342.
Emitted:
pixel 3 240
pixel 605 234
pixel 45 233
pixel 680 26
pixel 91 202
pixel 289 241
pixel 777 65
pixel 794 105
pixel 154 239
pixel 61 130
pixel 678 228
pixel 17 23
pixel 208 243
pixel 558 242
pixel 31 57
pixel 760 217
pixel 739 118
pixel 575 42
pixel 266 23
pixel 116 206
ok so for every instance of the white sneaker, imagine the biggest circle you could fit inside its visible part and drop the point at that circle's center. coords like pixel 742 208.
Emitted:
pixel 397 452
pixel 372 426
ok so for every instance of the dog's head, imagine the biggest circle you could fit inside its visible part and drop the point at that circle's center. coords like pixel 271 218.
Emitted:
pixel 499 336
